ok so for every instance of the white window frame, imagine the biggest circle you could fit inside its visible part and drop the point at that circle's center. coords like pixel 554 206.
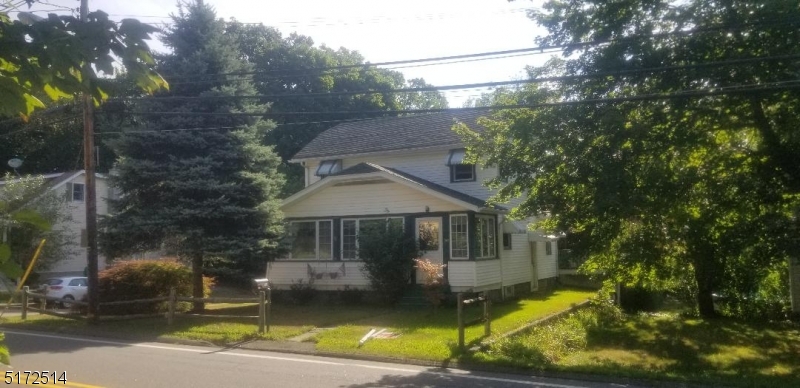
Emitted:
pixel 452 257
pixel 317 252
pixel 358 230
pixel 479 240
pixel 328 167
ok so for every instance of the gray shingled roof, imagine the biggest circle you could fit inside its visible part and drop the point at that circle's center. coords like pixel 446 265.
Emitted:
pixel 366 168
pixel 388 134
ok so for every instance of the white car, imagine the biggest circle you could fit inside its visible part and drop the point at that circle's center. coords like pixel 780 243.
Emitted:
pixel 68 288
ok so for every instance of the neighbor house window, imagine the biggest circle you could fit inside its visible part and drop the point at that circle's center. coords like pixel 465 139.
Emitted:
pixel 75 192
pixel 460 171
pixel 548 248
pixel 312 239
pixel 459 243
pixel 485 235
pixel 328 167
pixel 352 228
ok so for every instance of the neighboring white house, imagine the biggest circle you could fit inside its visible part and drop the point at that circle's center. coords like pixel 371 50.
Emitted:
pixel 72 186
pixel 407 170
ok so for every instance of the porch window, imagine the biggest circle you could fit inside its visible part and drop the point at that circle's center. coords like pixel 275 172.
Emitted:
pixel 459 245
pixel 328 167
pixel 352 228
pixel 460 171
pixel 548 248
pixel 312 240
pixel 486 237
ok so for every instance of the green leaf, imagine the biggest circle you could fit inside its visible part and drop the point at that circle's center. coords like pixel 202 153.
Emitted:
pixel 11 270
pixel 31 217
pixel 5 252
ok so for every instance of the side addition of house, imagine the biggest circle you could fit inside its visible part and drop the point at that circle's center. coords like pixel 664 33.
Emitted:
pixel 407 170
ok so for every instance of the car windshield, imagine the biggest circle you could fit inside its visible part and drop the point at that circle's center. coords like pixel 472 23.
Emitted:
pixel 53 282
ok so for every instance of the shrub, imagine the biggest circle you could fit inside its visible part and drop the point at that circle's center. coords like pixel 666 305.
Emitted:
pixel 302 292
pixel 435 282
pixel 146 279
pixel 388 254
pixel 351 296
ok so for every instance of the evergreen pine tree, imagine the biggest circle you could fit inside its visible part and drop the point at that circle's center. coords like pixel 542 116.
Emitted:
pixel 208 195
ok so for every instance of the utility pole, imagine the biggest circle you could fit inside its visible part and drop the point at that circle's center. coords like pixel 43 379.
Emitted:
pixel 91 191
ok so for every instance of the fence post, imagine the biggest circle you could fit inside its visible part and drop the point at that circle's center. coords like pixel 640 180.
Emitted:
pixel 262 298
pixel 487 324
pixel 173 296
pixel 269 306
pixel 25 302
pixel 43 305
pixel 461 321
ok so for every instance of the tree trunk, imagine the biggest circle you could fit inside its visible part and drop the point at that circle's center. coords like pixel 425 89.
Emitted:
pixel 197 283
pixel 704 276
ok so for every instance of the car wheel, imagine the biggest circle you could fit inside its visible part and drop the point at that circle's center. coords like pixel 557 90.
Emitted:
pixel 66 304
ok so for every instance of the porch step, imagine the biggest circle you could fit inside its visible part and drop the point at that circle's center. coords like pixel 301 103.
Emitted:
pixel 413 297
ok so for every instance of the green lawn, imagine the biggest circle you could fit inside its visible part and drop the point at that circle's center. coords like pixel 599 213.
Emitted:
pixel 285 322
pixel 423 334
pixel 428 336
pixel 667 346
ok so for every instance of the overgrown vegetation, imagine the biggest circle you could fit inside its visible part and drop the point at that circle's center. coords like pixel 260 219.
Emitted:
pixel 388 254
pixel 435 283
pixel 662 345
pixel 146 279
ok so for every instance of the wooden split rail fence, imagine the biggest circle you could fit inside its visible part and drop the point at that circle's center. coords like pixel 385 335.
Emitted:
pixel 264 301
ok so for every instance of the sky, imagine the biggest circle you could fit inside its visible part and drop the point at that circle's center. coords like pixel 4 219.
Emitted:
pixel 380 30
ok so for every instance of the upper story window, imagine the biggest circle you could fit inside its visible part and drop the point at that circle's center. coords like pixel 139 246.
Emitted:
pixel 460 171
pixel 75 192
pixel 328 167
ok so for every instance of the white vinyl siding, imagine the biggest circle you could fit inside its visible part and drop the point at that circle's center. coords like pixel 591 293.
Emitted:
pixel 546 265
pixel 459 236
pixel 429 165
pixel 75 261
pixel 487 273
pixel 473 275
pixel 332 275
pixel 374 198
pixel 516 262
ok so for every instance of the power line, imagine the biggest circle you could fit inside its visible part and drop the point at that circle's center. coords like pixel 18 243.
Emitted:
pixel 657 96
pixel 323 21
pixel 375 64
pixel 541 48
pixel 685 94
pixel 492 84
pixel 224 128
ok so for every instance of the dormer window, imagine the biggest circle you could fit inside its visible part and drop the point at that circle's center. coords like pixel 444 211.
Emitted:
pixel 328 167
pixel 460 171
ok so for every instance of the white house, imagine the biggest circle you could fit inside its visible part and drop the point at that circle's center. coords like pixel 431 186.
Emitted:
pixel 72 186
pixel 408 170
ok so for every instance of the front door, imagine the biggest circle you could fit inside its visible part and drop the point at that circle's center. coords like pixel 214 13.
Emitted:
pixel 429 235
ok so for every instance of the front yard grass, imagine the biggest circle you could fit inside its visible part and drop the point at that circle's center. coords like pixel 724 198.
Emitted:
pixel 668 346
pixel 285 322
pixel 434 336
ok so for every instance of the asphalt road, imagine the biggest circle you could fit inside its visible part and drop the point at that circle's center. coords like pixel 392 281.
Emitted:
pixel 91 362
